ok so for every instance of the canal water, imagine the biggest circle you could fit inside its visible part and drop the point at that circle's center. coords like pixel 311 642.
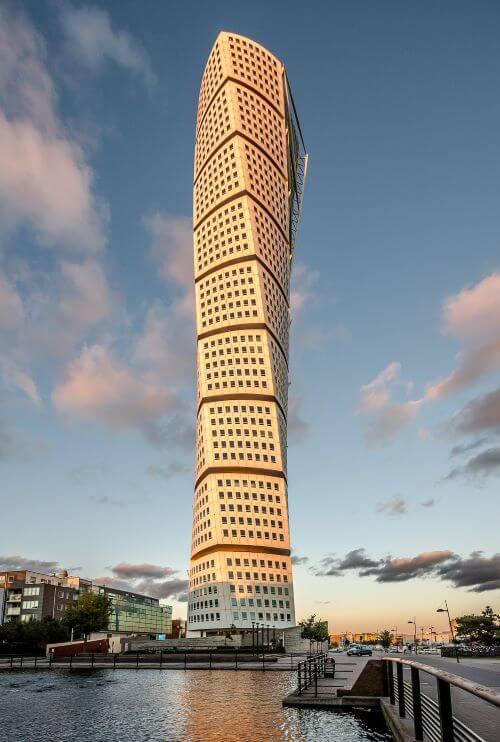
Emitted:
pixel 153 706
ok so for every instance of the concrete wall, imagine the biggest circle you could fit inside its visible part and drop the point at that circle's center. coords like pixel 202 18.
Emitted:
pixel 185 644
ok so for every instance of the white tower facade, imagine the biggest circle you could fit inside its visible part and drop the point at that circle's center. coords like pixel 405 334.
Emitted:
pixel 249 174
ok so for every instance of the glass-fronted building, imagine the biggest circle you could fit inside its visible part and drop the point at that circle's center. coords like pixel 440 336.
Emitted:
pixel 136 614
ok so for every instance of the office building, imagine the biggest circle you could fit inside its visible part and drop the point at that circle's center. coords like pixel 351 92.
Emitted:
pixel 249 174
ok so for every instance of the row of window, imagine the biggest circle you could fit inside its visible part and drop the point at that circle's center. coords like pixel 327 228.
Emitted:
pixel 245 616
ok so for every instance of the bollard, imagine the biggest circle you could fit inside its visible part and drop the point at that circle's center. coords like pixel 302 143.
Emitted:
pixel 161 658
pixel 185 660
pixel 70 661
pixel 236 659
pixel 92 663
pixel 21 661
pixel 137 661
pixel 36 658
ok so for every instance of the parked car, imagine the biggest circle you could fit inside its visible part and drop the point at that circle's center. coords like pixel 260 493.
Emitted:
pixel 359 651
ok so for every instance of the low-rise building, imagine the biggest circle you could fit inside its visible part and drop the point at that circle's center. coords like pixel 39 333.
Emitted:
pixel 26 596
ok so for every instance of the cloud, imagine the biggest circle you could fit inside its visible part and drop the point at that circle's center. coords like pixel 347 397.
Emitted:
pixel 92 40
pixel 407 568
pixel 298 428
pixel 299 560
pixel 466 447
pixel 172 252
pixel 124 570
pixel 134 577
pixel 115 502
pixel 175 589
pixel 356 559
pixel 386 419
pixel 45 181
pixel 394 506
pixel 429 503
pixel 166 345
pixel 480 414
pixel 473 363
pixel 86 474
pixel 100 388
pixel 473 316
pixel 387 423
pixel 11 306
pixel 304 287
pixel 474 312
pixel 476 572
pixel 46 186
pixel 484 464
pixel 375 395
pixel 168 471
pixel 16 562
pixel 332 566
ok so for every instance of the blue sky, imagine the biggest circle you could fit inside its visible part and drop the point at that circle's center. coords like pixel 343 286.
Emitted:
pixel 394 446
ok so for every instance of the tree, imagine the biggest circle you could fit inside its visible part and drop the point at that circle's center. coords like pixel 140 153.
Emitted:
pixel 386 639
pixel 91 613
pixel 313 630
pixel 32 635
pixel 483 629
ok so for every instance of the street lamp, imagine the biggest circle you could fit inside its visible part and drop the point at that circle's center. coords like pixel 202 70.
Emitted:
pixel 445 610
pixel 433 632
pixel 395 631
pixel 414 622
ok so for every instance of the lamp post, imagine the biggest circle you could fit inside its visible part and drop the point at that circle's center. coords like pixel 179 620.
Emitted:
pixel 445 610
pixel 414 622
pixel 257 635
pixel 433 632
pixel 395 631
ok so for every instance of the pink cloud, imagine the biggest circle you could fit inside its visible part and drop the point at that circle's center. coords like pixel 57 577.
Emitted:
pixel 100 388
pixel 474 313
pixel 473 316
pixel 44 182
pixel 375 395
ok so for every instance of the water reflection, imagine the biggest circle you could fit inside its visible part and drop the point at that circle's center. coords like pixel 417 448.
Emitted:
pixel 168 706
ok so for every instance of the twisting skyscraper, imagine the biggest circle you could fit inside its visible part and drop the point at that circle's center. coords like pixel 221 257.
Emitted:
pixel 249 174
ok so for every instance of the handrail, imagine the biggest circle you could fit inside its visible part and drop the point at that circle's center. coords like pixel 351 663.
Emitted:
pixel 433 720
pixel 482 691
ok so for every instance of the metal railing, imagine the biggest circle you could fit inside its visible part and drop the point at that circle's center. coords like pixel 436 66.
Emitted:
pixel 235 660
pixel 308 672
pixel 432 720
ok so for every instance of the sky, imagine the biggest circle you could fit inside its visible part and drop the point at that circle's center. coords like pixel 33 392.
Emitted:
pixel 394 447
